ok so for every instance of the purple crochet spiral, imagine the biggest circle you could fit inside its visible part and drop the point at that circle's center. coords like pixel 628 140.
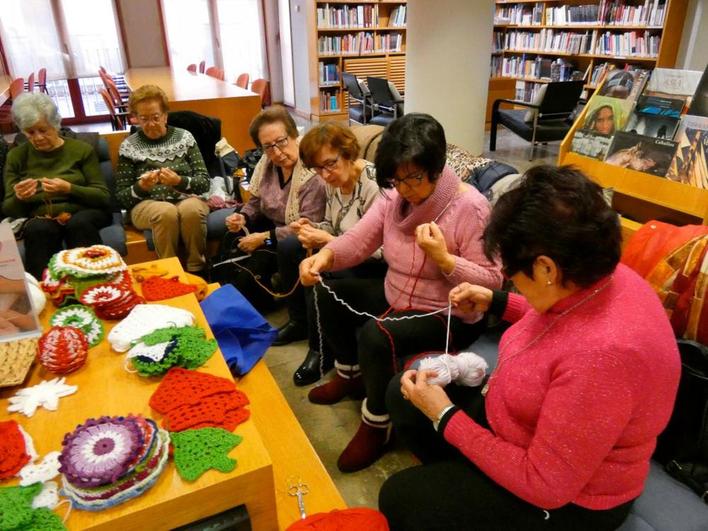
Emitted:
pixel 99 451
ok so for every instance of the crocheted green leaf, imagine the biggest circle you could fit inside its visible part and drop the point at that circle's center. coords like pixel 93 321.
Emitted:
pixel 191 351
pixel 16 506
pixel 196 451
pixel 45 520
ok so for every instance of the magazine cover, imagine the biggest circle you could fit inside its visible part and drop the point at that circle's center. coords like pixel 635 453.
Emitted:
pixel 689 166
pixel 624 84
pixel 657 106
pixel 17 317
pixel 699 104
pixel 590 144
pixel 654 126
pixel 641 153
pixel 606 115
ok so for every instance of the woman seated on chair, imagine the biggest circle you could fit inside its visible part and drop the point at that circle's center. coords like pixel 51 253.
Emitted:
pixel 282 191
pixel 561 434
pixel 331 151
pixel 159 177
pixel 430 227
pixel 54 181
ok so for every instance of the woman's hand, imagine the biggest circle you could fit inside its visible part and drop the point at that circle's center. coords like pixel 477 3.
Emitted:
pixel 311 267
pixel 430 238
pixel 56 185
pixel 312 238
pixel 253 241
pixel 168 177
pixel 299 224
pixel 149 179
pixel 25 189
pixel 235 222
pixel 470 298
pixel 430 399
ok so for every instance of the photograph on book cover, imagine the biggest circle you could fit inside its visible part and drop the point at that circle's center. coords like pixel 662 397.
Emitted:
pixel 654 126
pixel 590 144
pixel 658 106
pixel 606 115
pixel 641 153
pixel 17 316
pixel 689 165
pixel 623 84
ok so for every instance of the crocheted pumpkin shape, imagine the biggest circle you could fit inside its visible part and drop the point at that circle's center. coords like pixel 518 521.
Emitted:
pixel 63 349
pixel 13 451
pixel 158 288
pixel 81 317
pixel 196 451
pixel 85 262
pixel 182 386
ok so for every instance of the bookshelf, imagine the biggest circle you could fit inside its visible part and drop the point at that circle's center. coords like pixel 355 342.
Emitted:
pixel 362 38
pixel 590 35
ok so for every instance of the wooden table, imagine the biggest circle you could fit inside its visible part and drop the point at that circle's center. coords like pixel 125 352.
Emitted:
pixel 4 88
pixel 105 388
pixel 204 94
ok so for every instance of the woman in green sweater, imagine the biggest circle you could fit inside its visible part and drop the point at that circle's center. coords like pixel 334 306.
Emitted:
pixel 54 181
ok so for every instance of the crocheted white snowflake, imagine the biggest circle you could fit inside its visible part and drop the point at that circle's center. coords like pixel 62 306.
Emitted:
pixel 144 319
pixel 45 394
pixel 41 472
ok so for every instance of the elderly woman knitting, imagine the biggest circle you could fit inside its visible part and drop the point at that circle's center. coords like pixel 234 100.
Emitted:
pixel 54 181
pixel 430 227
pixel 160 173
pixel 561 434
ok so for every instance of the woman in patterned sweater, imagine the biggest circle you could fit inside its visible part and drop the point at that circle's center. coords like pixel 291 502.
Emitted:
pixel 160 175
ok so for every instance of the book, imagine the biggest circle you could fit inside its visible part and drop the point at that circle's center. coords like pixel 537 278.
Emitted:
pixel 654 126
pixel 605 115
pixel 658 106
pixel 18 319
pixel 670 82
pixel 699 102
pixel 624 84
pixel 591 144
pixel 641 153
pixel 689 165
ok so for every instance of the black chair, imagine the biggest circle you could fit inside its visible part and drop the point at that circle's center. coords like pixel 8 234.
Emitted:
pixel 360 104
pixel 387 107
pixel 550 122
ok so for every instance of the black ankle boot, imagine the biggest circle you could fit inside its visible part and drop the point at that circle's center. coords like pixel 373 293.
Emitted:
pixel 290 332
pixel 309 370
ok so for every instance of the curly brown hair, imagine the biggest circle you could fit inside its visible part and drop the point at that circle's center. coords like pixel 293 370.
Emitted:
pixel 271 115
pixel 147 92
pixel 333 134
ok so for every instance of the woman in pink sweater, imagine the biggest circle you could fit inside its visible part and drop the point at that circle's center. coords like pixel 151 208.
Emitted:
pixel 561 434
pixel 430 227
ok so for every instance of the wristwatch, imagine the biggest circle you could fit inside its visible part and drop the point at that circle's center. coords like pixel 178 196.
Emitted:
pixel 436 423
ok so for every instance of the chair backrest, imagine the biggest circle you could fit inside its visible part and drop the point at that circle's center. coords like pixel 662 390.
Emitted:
pixel 30 82
pixel 17 87
pixel 262 88
pixel 352 86
pixel 561 98
pixel 206 130
pixel 215 71
pixel 202 66
pixel 192 68
pixel 242 80
pixel 42 77
pixel 117 122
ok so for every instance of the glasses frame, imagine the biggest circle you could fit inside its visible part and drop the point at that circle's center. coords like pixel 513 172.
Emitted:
pixel 279 143
pixel 154 119
pixel 411 181
pixel 329 166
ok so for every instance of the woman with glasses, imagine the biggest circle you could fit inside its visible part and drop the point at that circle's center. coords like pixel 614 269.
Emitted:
pixel 331 150
pixel 430 226
pixel 159 177
pixel 282 191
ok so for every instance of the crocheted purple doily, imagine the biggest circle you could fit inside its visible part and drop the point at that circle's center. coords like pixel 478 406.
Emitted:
pixel 101 450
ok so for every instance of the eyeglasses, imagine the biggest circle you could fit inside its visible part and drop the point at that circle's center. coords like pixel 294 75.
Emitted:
pixel 154 118
pixel 280 143
pixel 328 165
pixel 410 182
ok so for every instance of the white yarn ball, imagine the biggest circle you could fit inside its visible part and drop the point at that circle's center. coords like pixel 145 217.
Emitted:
pixel 471 367
pixel 439 365
pixel 39 299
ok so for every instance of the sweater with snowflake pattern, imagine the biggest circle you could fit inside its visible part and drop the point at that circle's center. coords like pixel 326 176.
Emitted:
pixel 176 150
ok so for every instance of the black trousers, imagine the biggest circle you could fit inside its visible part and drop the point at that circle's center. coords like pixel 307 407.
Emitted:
pixel 447 492
pixel 45 237
pixel 379 347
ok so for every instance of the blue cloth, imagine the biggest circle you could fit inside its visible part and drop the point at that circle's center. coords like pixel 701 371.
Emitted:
pixel 243 334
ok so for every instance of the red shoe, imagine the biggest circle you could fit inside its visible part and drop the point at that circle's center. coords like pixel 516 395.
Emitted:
pixel 346 382
pixel 369 443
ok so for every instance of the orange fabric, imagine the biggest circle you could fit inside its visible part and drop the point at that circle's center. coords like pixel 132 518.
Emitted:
pixel 355 519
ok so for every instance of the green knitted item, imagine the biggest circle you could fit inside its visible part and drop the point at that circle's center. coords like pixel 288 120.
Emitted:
pixel 82 284
pixel 191 351
pixel 45 520
pixel 81 317
pixel 16 510
pixel 196 451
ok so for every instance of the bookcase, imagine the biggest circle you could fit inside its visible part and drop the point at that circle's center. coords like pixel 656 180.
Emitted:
pixel 363 38
pixel 590 35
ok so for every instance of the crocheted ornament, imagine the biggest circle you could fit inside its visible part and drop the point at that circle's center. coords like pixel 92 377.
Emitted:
pixel 196 451
pixel 181 387
pixel 152 353
pixel 99 451
pixel 85 262
pixel 49 497
pixel 209 411
pixel 13 449
pixel 158 288
pixel 45 520
pixel 188 348
pixel 16 506
pixel 41 472
pixel 101 294
pixel 82 318
pixel 45 394
pixel 144 319
pixel 63 349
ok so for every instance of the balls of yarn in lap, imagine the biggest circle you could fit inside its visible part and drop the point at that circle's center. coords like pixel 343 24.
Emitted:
pixel 63 349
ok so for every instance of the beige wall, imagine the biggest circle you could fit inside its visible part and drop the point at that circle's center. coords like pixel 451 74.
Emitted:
pixel 447 65
pixel 143 33
pixel 301 68
pixel 693 52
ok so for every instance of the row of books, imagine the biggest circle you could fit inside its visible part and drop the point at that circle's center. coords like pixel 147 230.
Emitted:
pixel 328 101
pixel 526 91
pixel 526 15
pixel 629 43
pixel 548 40
pixel 363 16
pixel 538 68
pixel 608 12
pixel 328 72
pixel 398 16
pixel 359 43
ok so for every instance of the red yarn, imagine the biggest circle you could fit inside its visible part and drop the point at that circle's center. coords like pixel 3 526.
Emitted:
pixel 183 386
pixel 210 411
pixel 13 454
pixel 158 288
pixel 63 349
pixel 355 519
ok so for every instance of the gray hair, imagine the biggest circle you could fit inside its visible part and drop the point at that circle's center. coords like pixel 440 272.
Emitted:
pixel 30 108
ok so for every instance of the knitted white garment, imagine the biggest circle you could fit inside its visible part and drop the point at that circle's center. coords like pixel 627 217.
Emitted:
pixel 45 394
pixel 41 472
pixel 153 352
pixel 144 319
pixel 465 368
pixel 48 497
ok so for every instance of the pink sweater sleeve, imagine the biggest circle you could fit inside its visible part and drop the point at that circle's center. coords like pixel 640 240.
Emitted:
pixel 360 242
pixel 516 307
pixel 583 414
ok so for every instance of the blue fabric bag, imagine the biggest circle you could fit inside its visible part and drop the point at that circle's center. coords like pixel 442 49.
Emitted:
pixel 243 334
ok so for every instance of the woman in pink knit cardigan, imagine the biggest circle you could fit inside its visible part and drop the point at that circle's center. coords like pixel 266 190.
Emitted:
pixel 561 434
pixel 430 226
